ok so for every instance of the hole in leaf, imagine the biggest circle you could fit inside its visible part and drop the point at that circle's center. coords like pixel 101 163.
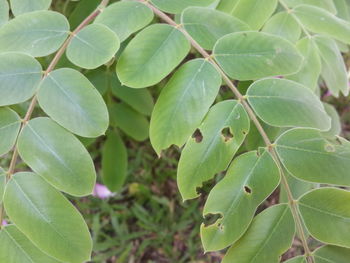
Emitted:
pixel 227 134
pixel 210 219
pixel 197 136
pixel 329 148
pixel 248 190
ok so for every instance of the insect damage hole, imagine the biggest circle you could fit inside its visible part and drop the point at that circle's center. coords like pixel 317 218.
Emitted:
pixel 211 219
pixel 227 134
pixel 197 136
pixel 248 190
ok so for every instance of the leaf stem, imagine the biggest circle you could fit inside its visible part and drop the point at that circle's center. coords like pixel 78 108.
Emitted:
pixel 33 102
pixel 253 117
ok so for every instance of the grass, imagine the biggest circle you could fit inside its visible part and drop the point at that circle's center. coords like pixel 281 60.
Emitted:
pixel 147 221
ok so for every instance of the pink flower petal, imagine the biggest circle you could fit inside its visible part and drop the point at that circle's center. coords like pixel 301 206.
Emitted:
pixel 4 223
pixel 101 191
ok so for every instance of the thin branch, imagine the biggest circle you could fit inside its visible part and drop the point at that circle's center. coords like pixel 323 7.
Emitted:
pixel 33 102
pixel 253 117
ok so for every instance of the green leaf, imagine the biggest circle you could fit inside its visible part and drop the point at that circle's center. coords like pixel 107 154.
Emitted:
pixel 212 146
pixel 300 259
pixel 47 218
pixel 325 4
pixel 254 12
pixel 82 10
pixel 151 56
pixel 10 124
pixel 310 157
pixel 327 254
pixel 58 156
pixel 19 7
pixel 93 46
pixel 297 187
pixel 37 33
pixel 320 21
pixel 269 236
pixel 20 75
pixel 114 162
pixel 206 25
pixel 333 68
pixel 330 208
pixel 125 18
pixel 343 10
pixel 100 79
pixel 254 55
pixel 16 247
pixel 2 186
pixel 4 12
pixel 250 179
pixel 70 99
pixel 284 25
pixel 285 103
pixel 140 100
pixel 336 124
pixel 254 140
pixel 175 7
pixel 311 68
pixel 183 103
pixel 129 121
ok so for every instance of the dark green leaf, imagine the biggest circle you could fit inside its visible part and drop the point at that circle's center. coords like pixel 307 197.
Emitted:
pixel 114 162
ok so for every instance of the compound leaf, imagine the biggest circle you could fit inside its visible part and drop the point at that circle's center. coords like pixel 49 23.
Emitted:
pixel 58 156
pixel 16 247
pixel 333 67
pixel 311 68
pixel 125 18
pixel 140 100
pixel 114 162
pixel 325 4
pixel 183 103
pixel 330 208
pixel 254 12
pixel 37 33
pixel 93 46
pixel 20 75
pixel 336 124
pixel 4 12
pixel 207 25
pixel 250 179
pixel 151 56
pixel 47 218
pixel 19 7
pixel 285 103
pixel 254 55
pixel 284 25
pixel 329 253
pixel 269 236
pixel 300 259
pixel 176 7
pixel 307 155
pixel 129 121
pixel 10 124
pixel 2 184
pixel 212 146
pixel 69 98
pixel 320 21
